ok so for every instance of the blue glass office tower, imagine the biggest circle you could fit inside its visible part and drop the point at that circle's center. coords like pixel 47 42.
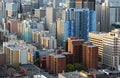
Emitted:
pixel 79 22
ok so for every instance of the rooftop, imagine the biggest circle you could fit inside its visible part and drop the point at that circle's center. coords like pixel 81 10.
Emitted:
pixel 71 75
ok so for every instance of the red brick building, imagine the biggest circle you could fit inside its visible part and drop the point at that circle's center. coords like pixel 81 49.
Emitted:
pixel 43 62
pixel 55 63
pixel 75 47
pixel 90 56
pixel 2 59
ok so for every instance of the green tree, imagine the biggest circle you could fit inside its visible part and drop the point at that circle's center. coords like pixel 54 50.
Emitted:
pixel 70 68
pixel 78 66
pixel 37 62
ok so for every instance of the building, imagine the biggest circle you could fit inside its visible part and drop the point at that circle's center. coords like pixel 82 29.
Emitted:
pixel 56 3
pixel 30 70
pixel 37 37
pixel 19 30
pixel 111 49
pixel 56 63
pixel 12 26
pixel 75 74
pixel 60 31
pixel 1 12
pixel 40 13
pixel 18 52
pixel 97 39
pixel 109 14
pixel 50 16
pixel 41 55
pixel 12 9
pixel 85 4
pixel 75 47
pixel 70 3
pixel 2 59
pixel 57 60
pixel 28 27
pixel 78 24
pixel 49 42
pixel 35 4
pixel 90 56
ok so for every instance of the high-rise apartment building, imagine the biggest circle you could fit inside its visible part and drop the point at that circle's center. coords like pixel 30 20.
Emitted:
pixel 75 47
pixel 78 23
pixel 90 56
pixel 111 49
pixel 97 39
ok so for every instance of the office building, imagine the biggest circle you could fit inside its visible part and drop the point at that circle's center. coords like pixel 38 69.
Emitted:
pixel 78 23
pixel 111 49
pixel 110 14
pixel 75 47
pixel 90 56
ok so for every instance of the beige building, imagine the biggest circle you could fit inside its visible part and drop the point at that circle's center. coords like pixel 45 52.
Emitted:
pixel 18 52
pixel 111 48
pixel 60 31
pixel 97 39
pixel 49 42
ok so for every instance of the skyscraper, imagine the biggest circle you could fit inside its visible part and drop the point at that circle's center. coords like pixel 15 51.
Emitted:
pixel 79 22
pixel 110 14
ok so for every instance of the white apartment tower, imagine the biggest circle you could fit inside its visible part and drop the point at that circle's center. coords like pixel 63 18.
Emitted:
pixel 111 49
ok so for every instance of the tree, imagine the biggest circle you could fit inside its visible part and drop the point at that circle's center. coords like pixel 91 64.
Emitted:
pixel 37 62
pixel 78 66
pixel 70 68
